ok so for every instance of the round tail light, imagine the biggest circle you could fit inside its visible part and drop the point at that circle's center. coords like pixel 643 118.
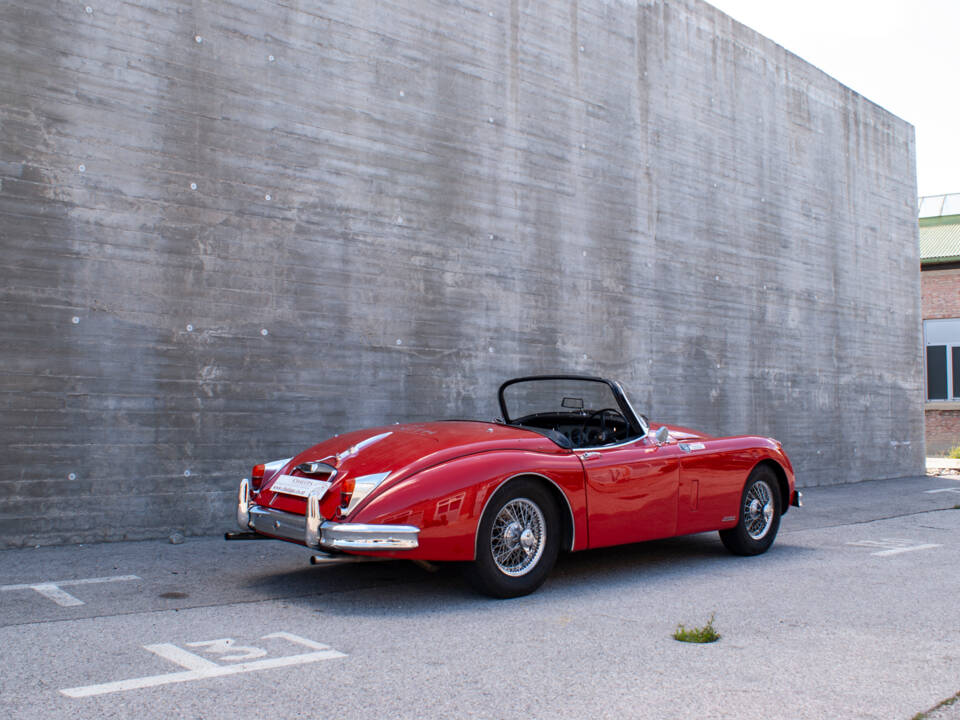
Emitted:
pixel 256 476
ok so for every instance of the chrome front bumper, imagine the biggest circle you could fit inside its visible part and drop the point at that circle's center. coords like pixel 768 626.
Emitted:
pixel 315 532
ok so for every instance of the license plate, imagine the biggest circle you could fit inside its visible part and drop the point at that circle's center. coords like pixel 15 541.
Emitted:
pixel 299 486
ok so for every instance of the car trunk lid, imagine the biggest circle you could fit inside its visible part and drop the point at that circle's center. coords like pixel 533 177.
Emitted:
pixel 384 455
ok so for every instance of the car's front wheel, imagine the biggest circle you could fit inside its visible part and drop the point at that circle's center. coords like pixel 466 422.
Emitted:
pixel 517 541
pixel 759 515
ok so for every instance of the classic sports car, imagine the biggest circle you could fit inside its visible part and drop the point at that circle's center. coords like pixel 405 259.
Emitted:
pixel 570 466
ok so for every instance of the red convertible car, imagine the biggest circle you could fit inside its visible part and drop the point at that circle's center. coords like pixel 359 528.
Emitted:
pixel 570 466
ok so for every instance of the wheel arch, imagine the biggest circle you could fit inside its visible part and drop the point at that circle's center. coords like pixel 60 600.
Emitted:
pixel 567 527
pixel 783 484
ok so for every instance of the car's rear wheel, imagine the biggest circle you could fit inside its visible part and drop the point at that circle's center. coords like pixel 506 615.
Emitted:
pixel 759 515
pixel 517 541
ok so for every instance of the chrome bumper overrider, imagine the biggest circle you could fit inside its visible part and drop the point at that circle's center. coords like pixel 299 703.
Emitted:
pixel 315 532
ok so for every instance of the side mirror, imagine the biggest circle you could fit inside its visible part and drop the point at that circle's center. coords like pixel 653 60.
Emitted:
pixel 662 435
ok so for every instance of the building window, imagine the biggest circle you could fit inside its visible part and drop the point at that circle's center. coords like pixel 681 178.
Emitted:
pixel 942 345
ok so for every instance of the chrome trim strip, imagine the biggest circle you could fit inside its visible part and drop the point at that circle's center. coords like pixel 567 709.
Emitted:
pixel 243 504
pixel 331 535
pixel 271 469
pixel 573 523
pixel 357 536
pixel 354 449
pixel 636 416
pixel 363 486
pixel 609 447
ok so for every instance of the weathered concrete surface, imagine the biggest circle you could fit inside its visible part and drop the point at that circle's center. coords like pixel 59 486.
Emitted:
pixel 399 204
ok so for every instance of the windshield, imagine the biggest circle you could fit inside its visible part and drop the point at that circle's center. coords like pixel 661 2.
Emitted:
pixel 586 412
pixel 531 398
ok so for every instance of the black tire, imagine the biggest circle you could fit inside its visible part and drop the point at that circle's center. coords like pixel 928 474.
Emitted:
pixel 517 541
pixel 759 517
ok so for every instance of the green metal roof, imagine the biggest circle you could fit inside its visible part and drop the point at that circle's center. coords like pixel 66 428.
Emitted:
pixel 940 239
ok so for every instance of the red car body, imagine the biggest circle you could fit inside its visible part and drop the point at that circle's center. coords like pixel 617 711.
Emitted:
pixel 434 482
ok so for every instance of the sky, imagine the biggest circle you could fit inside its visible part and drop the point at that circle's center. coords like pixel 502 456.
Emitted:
pixel 903 55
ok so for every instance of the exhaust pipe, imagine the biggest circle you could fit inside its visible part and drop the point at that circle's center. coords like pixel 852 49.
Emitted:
pixel 244 536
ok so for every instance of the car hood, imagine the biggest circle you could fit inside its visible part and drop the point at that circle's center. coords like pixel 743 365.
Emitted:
pixel 398 451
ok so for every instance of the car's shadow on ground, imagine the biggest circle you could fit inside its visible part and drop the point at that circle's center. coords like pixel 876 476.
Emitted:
pixel 702 555
pixel 403 588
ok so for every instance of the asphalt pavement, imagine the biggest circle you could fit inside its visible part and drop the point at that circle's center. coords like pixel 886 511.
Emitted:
pixel 853 613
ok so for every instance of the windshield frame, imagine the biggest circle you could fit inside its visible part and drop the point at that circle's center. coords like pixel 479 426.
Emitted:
pixel 636 421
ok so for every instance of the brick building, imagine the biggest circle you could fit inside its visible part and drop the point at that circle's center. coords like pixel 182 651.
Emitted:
pixel 940 285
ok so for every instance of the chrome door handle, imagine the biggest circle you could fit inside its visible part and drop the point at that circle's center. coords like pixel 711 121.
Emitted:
pixel 589 455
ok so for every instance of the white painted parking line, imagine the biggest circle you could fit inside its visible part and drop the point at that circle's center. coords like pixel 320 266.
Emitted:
pixel 897 551
pixel 893 546
pixel 297 639
pixel 181 657
pixel 199 668
pixel 949 490
pixel 228 651
pixel 59 596
pixel 54 590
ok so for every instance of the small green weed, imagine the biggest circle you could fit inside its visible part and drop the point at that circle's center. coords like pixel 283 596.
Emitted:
pixel 954 452
pixel 705 634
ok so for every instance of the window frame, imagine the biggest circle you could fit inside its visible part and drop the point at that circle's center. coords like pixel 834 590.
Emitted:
pixel 941 332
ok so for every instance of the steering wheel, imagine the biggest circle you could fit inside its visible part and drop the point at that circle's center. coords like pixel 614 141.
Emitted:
pixel 601 437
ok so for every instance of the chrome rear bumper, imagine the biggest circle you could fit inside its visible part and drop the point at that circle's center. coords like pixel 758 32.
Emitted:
pixel 315 532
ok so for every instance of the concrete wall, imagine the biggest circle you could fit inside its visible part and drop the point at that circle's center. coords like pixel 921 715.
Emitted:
pixel 231 229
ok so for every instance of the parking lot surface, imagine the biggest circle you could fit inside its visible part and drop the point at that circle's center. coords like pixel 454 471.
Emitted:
pixel 853 613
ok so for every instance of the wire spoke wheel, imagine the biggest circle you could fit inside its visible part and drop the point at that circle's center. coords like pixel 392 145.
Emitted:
pixel 518 537
pixel 517 540
pixel 758 509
